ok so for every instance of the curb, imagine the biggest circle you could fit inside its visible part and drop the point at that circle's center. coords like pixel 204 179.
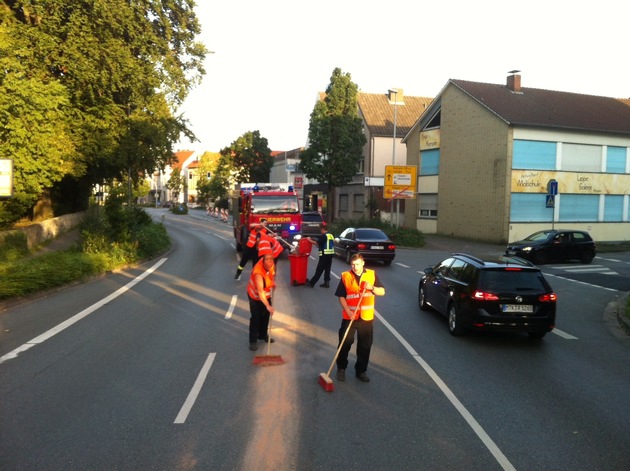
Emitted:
pixel 620 309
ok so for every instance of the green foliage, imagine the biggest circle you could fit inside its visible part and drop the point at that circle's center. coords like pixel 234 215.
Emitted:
pixel 220 181
pixel 13 246
pixel 399 235
pixel 335 135
pixel 91 90
pixel 137 238
pixel 179 208
pixel 251 159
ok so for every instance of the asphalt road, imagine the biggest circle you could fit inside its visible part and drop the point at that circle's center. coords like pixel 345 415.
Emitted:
pixel 149 369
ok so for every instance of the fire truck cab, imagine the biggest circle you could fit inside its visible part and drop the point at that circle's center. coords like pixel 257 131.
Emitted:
pixel 277 203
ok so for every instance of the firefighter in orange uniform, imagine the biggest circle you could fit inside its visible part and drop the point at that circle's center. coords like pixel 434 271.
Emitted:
pixel 262 282
pixel 249 251
pixel 354 282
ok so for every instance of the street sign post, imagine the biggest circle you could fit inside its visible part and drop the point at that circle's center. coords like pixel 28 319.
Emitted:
pixel 6 178
pixel 400 182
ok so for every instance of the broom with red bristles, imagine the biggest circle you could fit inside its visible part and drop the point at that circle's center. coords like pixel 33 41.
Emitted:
pixel 324 378
pixel 268 359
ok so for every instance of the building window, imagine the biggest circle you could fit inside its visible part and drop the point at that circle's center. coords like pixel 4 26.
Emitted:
pixel 343 202
pixel 529 207
pixel 427 205
pixel 616 159
pixel 578 207
pixel 613 208
pixel 581 158
pixel 361 166
pixel 359 202
pixel 534 155
pixel 430 162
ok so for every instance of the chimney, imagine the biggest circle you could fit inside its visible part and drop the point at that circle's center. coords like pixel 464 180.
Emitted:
pixel 396 95
pixel 514 81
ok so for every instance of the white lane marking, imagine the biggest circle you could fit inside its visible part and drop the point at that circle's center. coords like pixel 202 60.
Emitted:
pixel 581 282
pixel 402 265
pixel 194 392
pixel 562 334
pixel 478 429
pixel 77 317
pixel 228 314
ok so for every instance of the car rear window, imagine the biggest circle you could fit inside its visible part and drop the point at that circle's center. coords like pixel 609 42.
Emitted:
pixel 511 280
pixel 370 235
pixel 311 218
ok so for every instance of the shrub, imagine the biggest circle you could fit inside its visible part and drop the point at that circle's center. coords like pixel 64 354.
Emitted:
pixel 399 235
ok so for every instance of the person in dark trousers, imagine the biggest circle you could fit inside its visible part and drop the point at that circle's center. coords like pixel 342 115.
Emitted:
pixel 326 254
pixel 262 282
pixel 356 291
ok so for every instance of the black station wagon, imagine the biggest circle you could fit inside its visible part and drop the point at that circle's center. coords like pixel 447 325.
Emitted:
pixel 509 295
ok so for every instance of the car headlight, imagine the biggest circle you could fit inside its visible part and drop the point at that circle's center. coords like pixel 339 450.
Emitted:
pixel 527 249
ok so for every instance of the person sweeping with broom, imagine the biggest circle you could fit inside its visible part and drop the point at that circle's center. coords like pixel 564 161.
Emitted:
pixel 262 281
pixel 356 290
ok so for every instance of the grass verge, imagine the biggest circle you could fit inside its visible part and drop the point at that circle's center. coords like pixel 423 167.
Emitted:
pixel 110 239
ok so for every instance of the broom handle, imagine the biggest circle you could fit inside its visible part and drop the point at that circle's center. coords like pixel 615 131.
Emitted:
pixel 273 291
pixel 278 237
pixel 345 335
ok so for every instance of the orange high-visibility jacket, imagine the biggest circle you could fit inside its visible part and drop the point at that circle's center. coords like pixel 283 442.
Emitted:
pixel 269 282
pixel 264 244
pixel 353 293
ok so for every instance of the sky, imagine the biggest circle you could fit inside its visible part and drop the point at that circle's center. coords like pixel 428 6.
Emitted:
pixel 271 58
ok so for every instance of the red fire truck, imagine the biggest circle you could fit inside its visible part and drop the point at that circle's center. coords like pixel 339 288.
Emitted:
pixel 277 203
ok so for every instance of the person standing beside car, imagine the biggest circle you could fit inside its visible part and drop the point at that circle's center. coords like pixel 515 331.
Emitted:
pixel 326 254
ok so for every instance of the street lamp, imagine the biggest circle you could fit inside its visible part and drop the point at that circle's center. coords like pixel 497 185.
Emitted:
pixel 394 92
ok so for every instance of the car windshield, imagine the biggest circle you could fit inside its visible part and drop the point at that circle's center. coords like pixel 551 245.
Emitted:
pixel 542 235
pixel 510 281
pixel 274 204
pixel 370 234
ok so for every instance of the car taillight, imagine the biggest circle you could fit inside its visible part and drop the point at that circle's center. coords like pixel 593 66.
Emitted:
pixel 391 247
pixel 361 246
pixel 484 296
pixel 548 298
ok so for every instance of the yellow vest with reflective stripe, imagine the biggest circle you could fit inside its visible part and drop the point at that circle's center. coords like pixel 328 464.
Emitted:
pixel 328 248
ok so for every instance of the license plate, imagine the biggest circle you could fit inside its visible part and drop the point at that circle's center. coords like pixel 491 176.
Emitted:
pixel 525 308
pixel 377 247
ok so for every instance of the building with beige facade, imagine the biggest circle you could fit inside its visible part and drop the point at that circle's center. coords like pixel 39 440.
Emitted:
pixel 489 158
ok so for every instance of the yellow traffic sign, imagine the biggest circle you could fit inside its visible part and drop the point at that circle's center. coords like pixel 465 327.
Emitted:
pixel 400 181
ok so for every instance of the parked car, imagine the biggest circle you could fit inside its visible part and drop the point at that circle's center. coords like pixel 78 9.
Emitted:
pixel 557 245
pixel 310 223
pixel 370 242
pixel 510 295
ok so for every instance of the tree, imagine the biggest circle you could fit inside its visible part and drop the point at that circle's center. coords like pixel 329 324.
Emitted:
pixel 121 70
pixel 250 158
pixel 336 138
pixel 222 178
pixel 176 183
pixel 207 166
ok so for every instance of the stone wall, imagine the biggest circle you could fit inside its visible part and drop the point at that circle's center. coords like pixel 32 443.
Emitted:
pixel 40 232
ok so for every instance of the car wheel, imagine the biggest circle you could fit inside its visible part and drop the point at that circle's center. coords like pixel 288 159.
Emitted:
pixel 536 335
pixel 540 257
pixel 422 298
pixel 587 256
pixel 454 325
pixel 348 256
pixel 387 262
